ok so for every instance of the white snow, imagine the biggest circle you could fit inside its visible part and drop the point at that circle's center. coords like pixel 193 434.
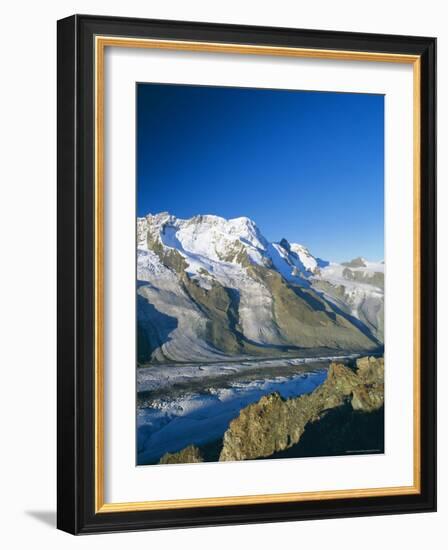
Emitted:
pixel 292 269
pixel 361 299
pixel 164 376
pixel 203 241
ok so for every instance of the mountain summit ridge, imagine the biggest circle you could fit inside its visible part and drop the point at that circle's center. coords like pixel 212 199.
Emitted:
pixel 214 237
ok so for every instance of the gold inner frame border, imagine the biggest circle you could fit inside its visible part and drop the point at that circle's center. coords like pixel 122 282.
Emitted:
pixel 100 44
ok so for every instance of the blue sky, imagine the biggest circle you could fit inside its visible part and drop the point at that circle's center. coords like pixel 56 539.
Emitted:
pixel 307 166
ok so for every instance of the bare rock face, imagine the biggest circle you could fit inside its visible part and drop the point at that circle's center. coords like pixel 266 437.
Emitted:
pixel 369 396
pixel 189 455
pixel 370 369
pixel 275 424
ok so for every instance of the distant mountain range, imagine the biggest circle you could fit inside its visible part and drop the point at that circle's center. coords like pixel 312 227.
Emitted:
pixel 210 289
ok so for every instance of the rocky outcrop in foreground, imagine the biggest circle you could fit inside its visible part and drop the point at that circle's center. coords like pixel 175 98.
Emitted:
pixel 275 424
pixel 190 455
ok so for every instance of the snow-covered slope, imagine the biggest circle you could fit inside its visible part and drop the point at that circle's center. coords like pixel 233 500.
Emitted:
pixel 210 288
pixel 357 287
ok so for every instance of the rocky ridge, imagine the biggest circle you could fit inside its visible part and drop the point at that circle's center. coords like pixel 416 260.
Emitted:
pixel 274 424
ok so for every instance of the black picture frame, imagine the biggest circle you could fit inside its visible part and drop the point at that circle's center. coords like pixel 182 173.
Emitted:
pixel 76 286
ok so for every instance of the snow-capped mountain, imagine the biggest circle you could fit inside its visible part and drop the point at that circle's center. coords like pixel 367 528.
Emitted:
pixel 210 288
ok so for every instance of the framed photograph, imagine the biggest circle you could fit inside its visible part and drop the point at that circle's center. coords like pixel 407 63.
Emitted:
pixel 246 274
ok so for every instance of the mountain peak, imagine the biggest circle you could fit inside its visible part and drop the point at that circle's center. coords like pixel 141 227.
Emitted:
pixel 285 244
pixel 356 262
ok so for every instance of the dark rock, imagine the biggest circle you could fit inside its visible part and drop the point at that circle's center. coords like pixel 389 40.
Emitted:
pixel 285 244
